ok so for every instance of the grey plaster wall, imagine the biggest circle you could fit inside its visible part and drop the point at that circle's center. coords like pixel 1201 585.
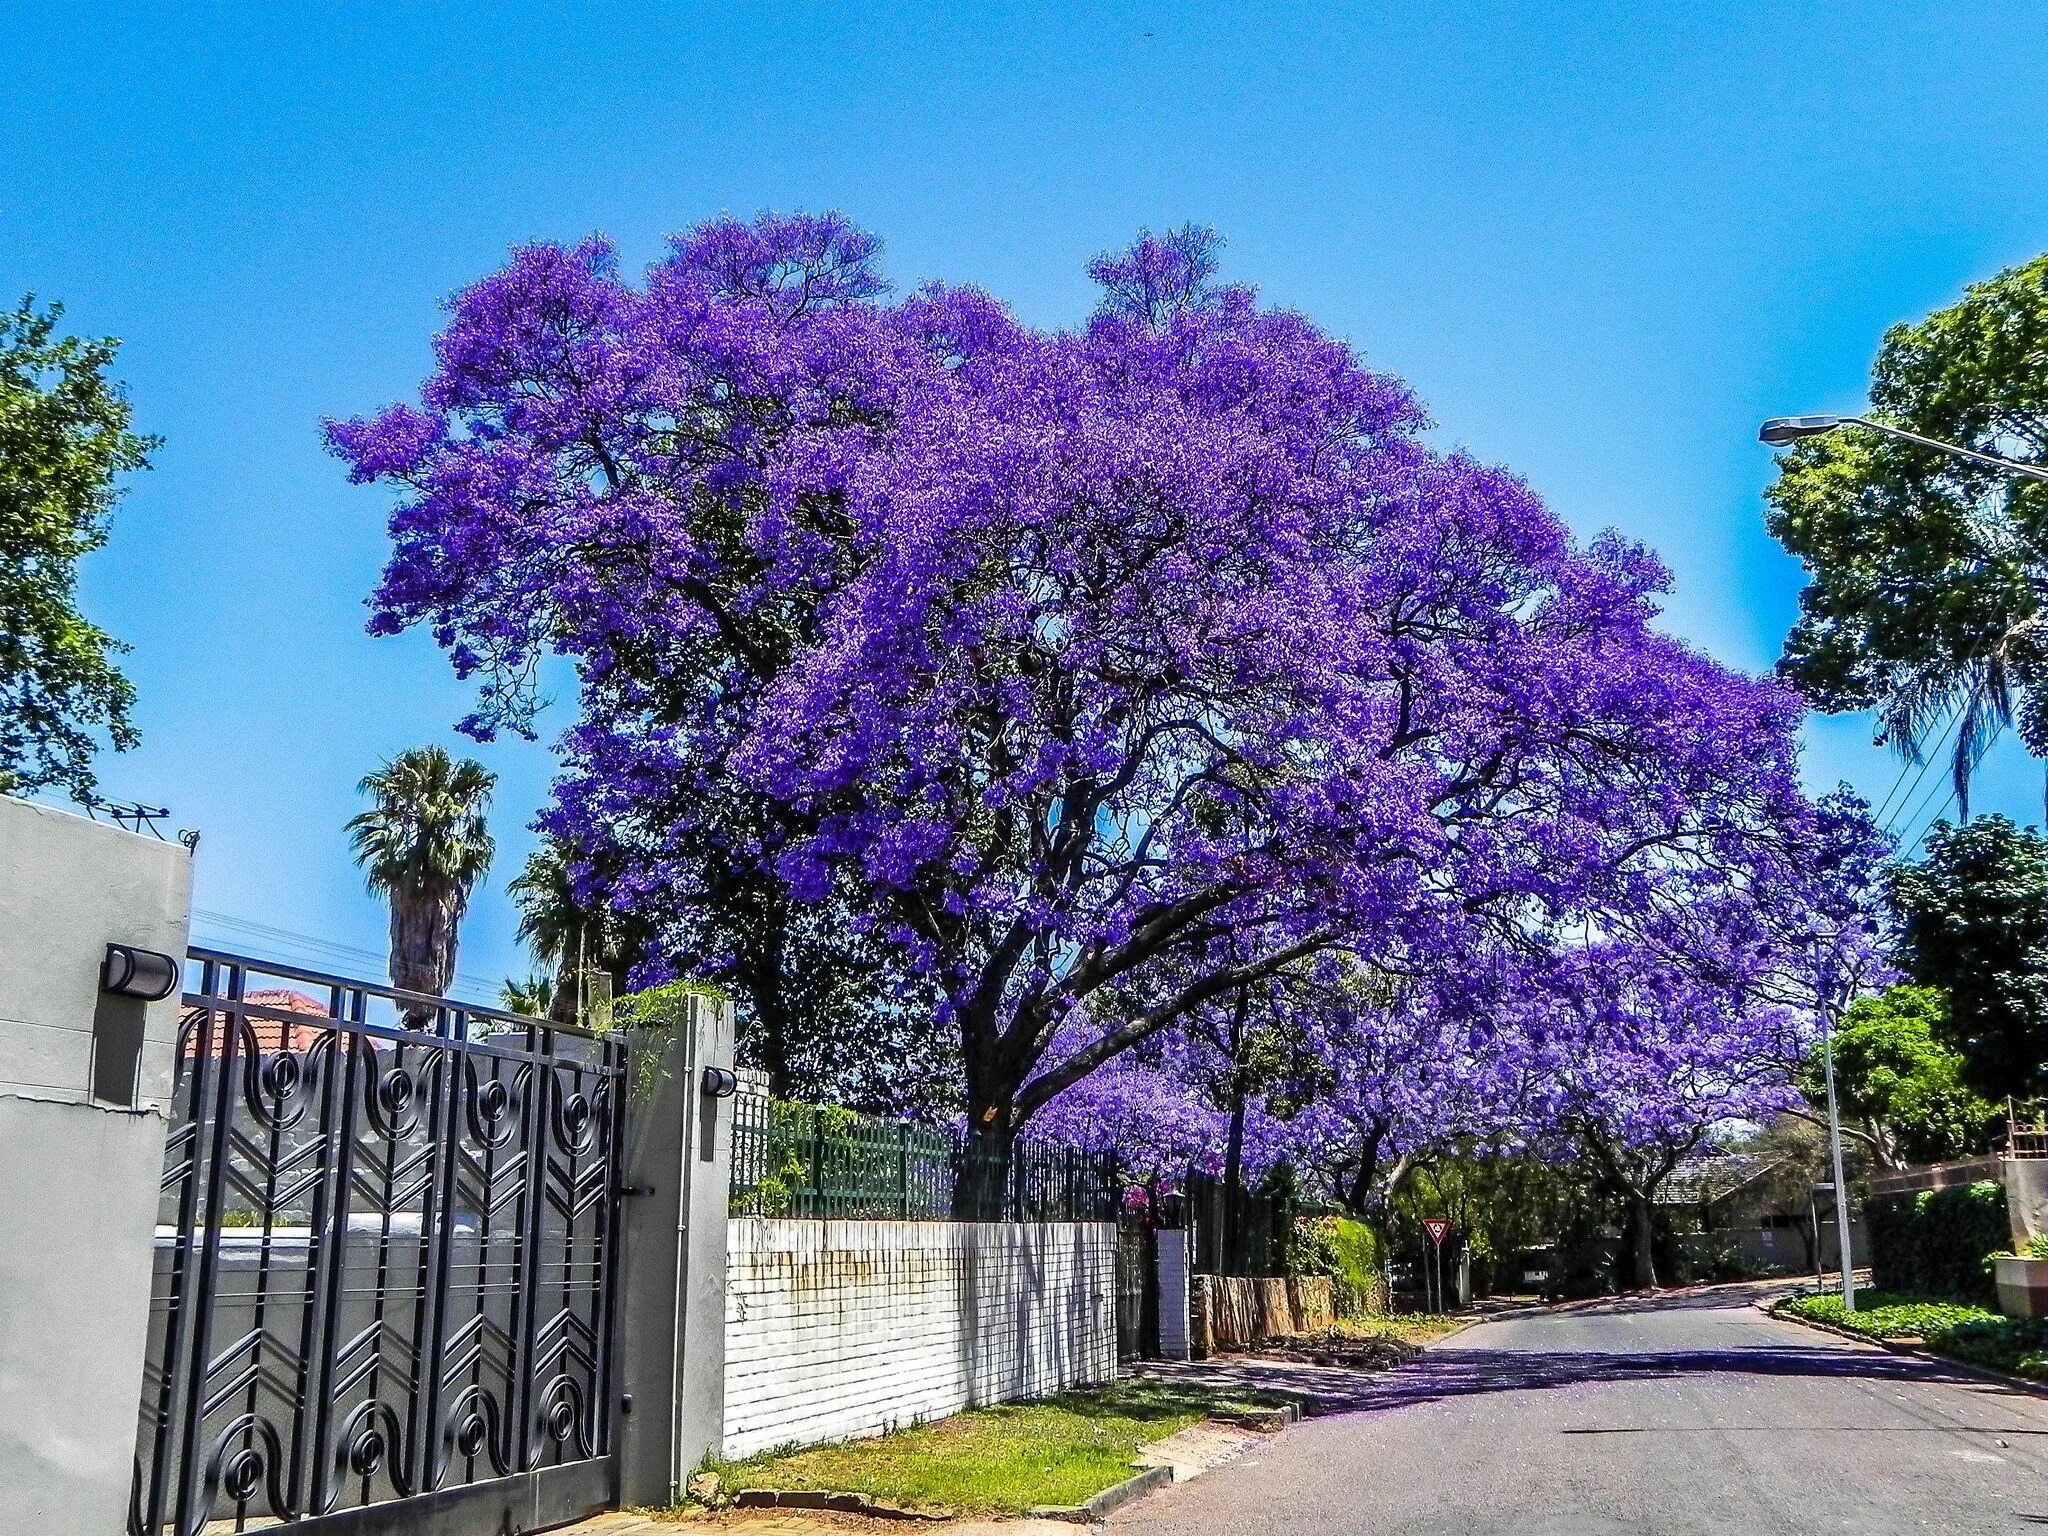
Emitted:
pixel 83 1084
pixel 2026 1196
pixel 672 1291
pixel 68 888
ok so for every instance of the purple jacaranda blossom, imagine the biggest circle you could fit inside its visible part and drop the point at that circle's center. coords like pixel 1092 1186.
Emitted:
pixel 1629 1045
pixel 1107 669
pixel 1149 1107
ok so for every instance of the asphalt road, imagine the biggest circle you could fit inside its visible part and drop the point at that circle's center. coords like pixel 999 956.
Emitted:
pixel 1675 1415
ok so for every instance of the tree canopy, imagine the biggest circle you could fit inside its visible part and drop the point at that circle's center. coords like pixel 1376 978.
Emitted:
pixel 1972 917
pixel 1928 573
pixel 1072 681
pixel 423 844
pixel 1899 1085
pixel 64 444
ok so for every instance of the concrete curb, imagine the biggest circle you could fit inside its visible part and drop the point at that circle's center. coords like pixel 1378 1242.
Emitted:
pixel 1112 1497
pixel 1264 1421
pixel 1913 1351
pixel 1261 1421
pixel 824 1501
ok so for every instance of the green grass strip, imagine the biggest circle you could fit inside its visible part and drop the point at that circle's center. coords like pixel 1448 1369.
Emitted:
pixel 1005 1460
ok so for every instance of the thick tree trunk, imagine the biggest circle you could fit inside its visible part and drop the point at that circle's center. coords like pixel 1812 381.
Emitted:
pixel 992 1082
pixel 1403 1166
pixel 1233 1150
pixel 1233 1180
pixel 981 1180
pixel 1642 1227
pixel 423 935
pixel 1359 1195
pixel 562 1004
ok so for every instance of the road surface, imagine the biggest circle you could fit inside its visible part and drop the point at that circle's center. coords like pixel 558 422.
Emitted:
pixel 1685 1413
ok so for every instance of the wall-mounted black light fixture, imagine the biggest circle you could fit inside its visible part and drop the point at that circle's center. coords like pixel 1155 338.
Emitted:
pixel 721 1082
pixel 138 973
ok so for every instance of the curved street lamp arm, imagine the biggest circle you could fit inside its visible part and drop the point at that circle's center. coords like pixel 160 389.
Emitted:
pixel 2010 466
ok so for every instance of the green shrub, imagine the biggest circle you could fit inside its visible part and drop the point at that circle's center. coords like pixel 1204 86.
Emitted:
pixel 1934 1243
pixel 1347 1252
pixel 2007 1343
pixel 1883 1315
pixel 1955 1329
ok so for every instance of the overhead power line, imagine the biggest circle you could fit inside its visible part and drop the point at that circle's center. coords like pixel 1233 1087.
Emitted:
pixel 1939 812
pixel 329 951
pixel 1948 800
pixel 1925 762
pixel 1903 814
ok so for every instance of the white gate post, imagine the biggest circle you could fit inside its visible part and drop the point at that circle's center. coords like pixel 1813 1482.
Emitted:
pixel 671 1347
pixel 85 1079
pixel 1174 1342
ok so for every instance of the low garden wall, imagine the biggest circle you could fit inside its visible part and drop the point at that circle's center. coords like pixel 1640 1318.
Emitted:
pixel 835 1329
pixel 1230 1311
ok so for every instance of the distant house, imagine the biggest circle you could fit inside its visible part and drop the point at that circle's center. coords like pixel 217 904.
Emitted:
pixel 1710 1178
pixel 272 1033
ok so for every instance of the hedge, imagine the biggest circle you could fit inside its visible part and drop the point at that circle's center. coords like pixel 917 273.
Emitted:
pixel 2009 1343
pixel 1934 1243
pixel 1348 1253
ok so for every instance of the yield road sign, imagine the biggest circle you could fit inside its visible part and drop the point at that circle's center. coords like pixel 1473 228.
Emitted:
pixel 1437 1228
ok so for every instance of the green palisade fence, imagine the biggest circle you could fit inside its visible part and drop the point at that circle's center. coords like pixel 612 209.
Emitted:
pixel 816 1161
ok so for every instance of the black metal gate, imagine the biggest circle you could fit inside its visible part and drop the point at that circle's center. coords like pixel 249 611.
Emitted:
pixel 384 1293
pixel 1137 1290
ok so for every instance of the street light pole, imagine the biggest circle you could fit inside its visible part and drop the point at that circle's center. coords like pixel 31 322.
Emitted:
pixel 1827 1051
pixel 1780 430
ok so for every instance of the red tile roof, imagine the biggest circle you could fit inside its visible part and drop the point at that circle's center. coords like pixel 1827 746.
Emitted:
pixel 271 1034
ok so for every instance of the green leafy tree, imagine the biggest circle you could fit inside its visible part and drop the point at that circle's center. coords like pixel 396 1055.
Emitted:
pixel 1928 598
pixel 424 845
pixel 1973 921
pixel 64 442
pixel 1899 1081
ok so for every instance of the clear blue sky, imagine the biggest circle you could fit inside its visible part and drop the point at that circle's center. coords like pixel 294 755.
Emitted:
pixel 1602 242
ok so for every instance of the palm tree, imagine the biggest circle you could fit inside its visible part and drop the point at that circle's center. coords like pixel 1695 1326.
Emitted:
pixel 423 844
pixel 569 936
pixel 532 998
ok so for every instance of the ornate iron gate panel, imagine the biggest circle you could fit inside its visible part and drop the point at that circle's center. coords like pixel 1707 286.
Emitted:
pixel 384 1267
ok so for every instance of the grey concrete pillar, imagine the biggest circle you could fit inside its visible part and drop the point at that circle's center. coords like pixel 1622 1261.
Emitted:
pixel 2026 1196
pixel 84 1085
pixel 672 1329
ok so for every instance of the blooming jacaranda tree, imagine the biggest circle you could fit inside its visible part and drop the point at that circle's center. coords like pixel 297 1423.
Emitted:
pixel 1637 1061
pixel 1395 1071
pixel 1113 669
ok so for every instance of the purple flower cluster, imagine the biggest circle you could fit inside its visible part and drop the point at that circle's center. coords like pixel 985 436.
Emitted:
pixel 1091 674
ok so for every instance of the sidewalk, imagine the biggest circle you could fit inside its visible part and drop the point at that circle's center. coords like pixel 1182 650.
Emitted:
pixel 771 1522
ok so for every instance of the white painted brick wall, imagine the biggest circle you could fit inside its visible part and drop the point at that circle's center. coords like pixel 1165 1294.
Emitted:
pixel 835 1329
